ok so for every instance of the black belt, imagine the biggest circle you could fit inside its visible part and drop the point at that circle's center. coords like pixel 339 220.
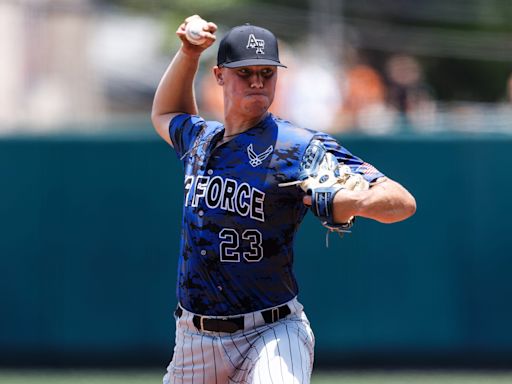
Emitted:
pixel 233 324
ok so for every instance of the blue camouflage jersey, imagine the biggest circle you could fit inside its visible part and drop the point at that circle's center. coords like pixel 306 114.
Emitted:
pixel 238 225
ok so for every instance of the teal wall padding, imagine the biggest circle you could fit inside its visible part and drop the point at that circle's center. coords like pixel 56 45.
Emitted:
pixel 89 236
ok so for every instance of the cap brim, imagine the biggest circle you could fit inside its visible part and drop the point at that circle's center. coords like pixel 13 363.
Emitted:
pixel 248 62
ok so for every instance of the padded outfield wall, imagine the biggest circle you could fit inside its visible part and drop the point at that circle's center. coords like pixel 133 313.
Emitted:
pixel 89 235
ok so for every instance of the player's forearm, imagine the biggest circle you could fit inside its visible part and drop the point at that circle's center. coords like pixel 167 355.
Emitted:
pixel 175 93
pixel 387 202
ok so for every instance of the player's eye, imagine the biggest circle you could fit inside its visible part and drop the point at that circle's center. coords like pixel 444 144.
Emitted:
pixel 244 72
pixel 267 72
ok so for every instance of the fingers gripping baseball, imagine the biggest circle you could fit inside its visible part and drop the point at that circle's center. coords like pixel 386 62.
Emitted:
pixel 196 34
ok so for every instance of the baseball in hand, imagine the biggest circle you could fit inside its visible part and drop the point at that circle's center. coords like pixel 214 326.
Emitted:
pixel 194 31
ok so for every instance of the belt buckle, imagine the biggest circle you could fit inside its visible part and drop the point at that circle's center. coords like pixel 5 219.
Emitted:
pixel 275 314
pixel 201 323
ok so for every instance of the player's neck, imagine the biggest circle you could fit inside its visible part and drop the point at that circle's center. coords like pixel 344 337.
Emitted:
pixel 234 125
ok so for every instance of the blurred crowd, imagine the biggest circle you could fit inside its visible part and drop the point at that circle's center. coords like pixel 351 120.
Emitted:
pixel 63 61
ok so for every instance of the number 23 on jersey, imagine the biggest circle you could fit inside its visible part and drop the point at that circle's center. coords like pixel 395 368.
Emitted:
pixel 236 245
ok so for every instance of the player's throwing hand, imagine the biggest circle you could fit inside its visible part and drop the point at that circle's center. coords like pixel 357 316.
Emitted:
pixel 204 35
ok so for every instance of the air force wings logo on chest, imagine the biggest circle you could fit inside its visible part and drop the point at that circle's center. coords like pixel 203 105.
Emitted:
pixel 253 42
pixel 254 158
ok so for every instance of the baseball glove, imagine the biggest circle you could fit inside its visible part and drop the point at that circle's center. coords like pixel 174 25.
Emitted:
pixel 321 176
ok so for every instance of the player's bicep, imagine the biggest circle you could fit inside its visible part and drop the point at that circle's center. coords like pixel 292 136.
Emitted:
pixel 161 124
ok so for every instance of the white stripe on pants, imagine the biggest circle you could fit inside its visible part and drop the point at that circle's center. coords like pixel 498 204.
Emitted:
pixel 276 353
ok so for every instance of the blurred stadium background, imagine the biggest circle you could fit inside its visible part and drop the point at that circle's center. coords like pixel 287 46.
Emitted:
pixel 89 209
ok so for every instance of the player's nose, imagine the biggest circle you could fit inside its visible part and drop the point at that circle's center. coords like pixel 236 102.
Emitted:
pixel 256 81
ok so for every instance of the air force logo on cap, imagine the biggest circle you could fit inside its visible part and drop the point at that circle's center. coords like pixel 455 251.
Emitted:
pixel 253 43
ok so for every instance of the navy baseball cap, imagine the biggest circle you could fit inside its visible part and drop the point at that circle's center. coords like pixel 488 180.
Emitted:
pixel 248 45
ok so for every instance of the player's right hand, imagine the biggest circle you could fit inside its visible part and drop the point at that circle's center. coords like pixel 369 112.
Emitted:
pixel 190 48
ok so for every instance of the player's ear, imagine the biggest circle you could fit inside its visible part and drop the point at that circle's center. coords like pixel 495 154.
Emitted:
pixel 217 72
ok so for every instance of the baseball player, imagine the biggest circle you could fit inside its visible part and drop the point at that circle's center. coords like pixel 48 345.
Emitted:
pixel 238 318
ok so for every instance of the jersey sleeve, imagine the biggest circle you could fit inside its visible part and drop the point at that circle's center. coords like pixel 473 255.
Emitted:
pixel 357 165
pixel 183 130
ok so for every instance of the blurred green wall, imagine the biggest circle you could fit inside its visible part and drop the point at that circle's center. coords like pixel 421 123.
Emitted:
pixel 89 239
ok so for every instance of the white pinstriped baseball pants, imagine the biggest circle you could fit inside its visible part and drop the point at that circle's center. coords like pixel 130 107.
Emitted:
pixel 276 353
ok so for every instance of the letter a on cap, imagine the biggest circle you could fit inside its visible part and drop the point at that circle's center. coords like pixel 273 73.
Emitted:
pixel 253 42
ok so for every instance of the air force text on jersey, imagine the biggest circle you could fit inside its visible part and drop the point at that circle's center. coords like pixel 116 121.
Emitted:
pixel 225 193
